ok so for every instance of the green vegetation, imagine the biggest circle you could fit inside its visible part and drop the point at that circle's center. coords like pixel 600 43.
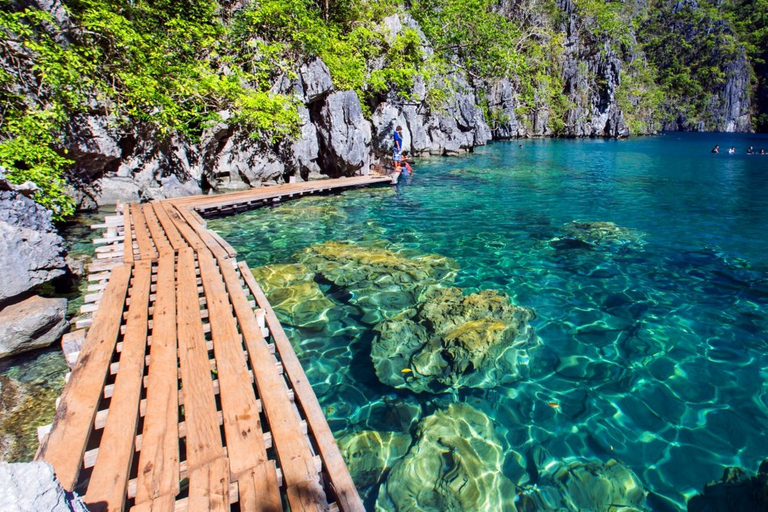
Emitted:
pixel 175 65
pixel 690 46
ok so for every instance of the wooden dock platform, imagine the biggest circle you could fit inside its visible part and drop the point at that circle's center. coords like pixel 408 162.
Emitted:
pixel 186 393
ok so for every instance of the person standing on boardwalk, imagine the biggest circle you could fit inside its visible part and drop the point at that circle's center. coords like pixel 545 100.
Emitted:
pixel 398 147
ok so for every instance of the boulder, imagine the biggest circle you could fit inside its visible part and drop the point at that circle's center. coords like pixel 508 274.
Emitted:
pixel 31 252
pixel 32 323
pixel 32 487
pixel 113 190
pixel 344 134
pixel 479 340
pixel 455 464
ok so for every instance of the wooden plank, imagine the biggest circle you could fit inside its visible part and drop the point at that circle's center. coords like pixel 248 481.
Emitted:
pixel 109 480
pixel 146 249
pixel 245 440
pixel 263 475
pixel 198 226
pixel 158 237
pixel 177 242
pixel 79 402
pixel 209 487
pixel 128 248
pixel 159 457
pixel 235 198
pixel 165 503
pixel 292 446
pixel 189 234
pixel 203 434
pixel 338 473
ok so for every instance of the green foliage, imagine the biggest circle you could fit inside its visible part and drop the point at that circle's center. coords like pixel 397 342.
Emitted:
pixel 30 132
pixel 639 97
pixel 28 156
pixel 471 34
pixel 690 47
pixel 606 20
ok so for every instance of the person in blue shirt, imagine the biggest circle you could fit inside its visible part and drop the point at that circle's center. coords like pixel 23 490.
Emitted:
pixel 398 147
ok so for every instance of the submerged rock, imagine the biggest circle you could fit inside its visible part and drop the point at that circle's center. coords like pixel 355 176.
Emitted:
pixel 734 492
pixel 23 408
pixel 593 235
pixel 585 486
pixel 293 293
pixel 382 282
pixel 478 340
pixel 455 464
pixel 370 454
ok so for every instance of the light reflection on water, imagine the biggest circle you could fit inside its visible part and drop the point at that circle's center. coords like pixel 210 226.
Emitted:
pixel 653 345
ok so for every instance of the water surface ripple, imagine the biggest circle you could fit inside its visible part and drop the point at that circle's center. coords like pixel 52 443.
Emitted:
pixel 653 343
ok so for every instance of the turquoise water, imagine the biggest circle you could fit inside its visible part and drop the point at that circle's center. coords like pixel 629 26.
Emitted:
pixel 653 334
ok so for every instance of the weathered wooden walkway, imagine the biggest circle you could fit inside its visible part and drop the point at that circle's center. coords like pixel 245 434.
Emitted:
pixel 186 394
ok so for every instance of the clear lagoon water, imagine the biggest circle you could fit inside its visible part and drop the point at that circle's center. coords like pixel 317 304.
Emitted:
pixel 654 343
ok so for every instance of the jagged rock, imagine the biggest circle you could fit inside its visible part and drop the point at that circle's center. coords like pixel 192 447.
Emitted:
pixel 455 464
pixel 235 161
pixel 385 121
pixel 591 79
pixel 31 252
pixel 479 340
pixel 383 283
pixel 734 492
pixel 501 104
pixel 306 148
pixel 370 454
pixel 736 116
pixel 316 80
pixel 92 141
pixel 293 293
pixel 31 323
pixel 172 187
pixel 581 486
pixel 116 190
pixel 32 487
pixel 344 134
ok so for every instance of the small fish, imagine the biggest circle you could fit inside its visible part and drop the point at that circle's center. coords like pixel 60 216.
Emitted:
pixel 406 370
pixel 553 405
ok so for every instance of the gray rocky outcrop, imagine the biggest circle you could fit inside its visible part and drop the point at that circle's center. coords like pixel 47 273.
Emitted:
pixel 344 134
pixel 736 115
pixel 501 106
pixel 31 252
pixel 31 323
pixel 592 75
pixel 32 487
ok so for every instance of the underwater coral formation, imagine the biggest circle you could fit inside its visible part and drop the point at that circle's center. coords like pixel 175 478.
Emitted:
pixel 455 464
pixel 455 340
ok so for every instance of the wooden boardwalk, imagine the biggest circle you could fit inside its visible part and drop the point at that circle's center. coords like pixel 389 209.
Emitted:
pixel 185 393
